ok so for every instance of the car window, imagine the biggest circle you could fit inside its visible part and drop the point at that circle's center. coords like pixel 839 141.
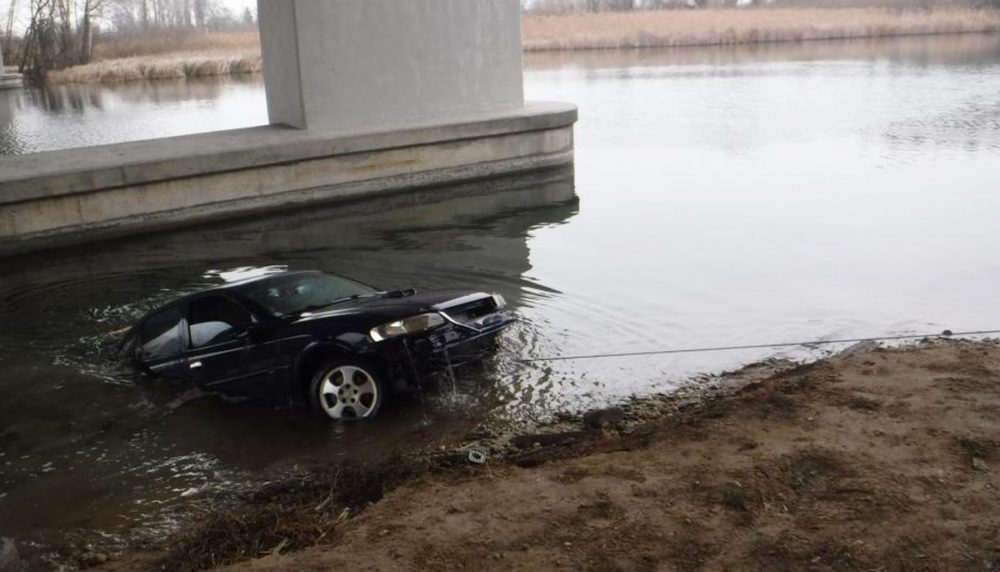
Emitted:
pixel 285 294
pixel 161 334
pixel 215 320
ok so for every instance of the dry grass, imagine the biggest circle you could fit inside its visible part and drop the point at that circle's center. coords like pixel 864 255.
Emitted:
pixel 186 55
pixel 169 66
pixel 166 56
pixel 130 46
pixel 669 28
pixel 289 515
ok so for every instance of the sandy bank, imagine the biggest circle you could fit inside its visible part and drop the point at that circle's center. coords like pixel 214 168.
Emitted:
pixel 875 459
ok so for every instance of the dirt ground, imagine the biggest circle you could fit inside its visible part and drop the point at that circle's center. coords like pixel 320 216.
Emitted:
pixel 873 460
pixel 877 459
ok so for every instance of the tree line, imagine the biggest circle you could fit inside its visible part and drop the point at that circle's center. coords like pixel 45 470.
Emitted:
pixel 41 35
pixel 557 6
pixel 130 15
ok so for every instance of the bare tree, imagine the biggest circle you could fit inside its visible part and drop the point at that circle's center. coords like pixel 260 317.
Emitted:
pixel 60 33
pixel 200 13
pixel 8 40
pixel 91 10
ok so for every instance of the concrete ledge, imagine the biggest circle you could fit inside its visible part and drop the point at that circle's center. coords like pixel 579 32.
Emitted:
pixel 83 170
pixel 49 199
pixel 11 81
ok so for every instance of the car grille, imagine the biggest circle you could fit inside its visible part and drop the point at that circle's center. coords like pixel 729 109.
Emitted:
pixel 468 313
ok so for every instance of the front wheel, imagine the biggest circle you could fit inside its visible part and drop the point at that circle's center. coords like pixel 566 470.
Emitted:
pixel 347 389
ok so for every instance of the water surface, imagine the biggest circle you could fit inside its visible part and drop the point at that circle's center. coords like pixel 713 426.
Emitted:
pixel 721 197
pixel 68 116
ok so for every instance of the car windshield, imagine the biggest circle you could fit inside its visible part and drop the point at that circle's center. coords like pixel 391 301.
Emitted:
pixel 285 294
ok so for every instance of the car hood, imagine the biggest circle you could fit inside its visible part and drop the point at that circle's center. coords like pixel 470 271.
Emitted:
pixel 386 308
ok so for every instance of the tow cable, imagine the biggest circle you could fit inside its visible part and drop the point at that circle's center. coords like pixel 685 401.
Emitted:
pixel 814 343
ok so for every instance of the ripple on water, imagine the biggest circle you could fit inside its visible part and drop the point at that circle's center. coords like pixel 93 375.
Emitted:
pixel 724 202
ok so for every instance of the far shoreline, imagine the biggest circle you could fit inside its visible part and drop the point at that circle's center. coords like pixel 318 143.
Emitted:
pixel 723 27
pixel 237 53
pixel 775 42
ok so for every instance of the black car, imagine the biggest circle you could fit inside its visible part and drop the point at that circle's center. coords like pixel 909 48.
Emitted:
pixel 313 338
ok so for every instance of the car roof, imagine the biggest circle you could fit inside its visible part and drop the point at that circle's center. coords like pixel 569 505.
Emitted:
pixel 224 288
pixel 262 277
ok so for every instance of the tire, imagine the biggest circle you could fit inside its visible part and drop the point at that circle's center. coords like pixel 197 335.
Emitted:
pixel 348 389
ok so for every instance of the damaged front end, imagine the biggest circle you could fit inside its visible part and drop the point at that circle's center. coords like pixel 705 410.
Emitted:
pixel 465 334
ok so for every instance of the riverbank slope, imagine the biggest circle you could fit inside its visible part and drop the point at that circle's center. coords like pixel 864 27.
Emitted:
pixel 175 56
pixel 874 459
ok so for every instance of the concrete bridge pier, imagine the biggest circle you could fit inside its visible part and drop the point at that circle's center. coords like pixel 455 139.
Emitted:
pixel 365 97
pixel 8 80
pixel 352 65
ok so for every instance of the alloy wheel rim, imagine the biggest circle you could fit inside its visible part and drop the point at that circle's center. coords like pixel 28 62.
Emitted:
pixel 348 392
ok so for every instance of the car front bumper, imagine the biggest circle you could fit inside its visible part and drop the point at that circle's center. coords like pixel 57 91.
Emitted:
pixel 446 347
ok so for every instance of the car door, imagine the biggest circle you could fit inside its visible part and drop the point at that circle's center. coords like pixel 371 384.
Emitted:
pixel 161 344
pixel 222 355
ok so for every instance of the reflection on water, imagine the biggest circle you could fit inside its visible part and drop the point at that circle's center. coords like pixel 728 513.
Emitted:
pixel 724 81
pixel 119 449
pixel 962 50
pixel 727 196
pixel 60 117
pixel 772 193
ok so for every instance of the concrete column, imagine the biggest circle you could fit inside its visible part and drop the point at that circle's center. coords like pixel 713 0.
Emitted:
pixel 369 65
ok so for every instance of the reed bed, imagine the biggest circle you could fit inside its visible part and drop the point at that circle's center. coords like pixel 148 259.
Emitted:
pixel 166 55
pixel 170 66
pixel 708 27
pixel 173 42
pixel 175 56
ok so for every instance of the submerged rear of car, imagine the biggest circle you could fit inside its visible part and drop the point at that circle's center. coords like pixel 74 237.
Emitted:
pixel 318 339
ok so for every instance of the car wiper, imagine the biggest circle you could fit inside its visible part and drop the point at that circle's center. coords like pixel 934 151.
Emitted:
pixel 316 307
pixel 400 293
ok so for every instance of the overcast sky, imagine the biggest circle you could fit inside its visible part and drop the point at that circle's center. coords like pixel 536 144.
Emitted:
pixel 237 6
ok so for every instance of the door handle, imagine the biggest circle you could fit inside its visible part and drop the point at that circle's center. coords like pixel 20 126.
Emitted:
pixel 196 365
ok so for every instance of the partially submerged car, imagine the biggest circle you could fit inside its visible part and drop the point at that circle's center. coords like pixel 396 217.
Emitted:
pixel 313 338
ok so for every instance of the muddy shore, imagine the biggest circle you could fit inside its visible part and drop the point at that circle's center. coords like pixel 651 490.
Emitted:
pixel 884 459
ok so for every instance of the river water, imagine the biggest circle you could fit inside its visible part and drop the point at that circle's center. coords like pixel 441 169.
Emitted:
pixel 720 197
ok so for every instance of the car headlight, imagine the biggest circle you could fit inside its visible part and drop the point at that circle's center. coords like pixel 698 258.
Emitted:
pixel 499 301
pixel 412 325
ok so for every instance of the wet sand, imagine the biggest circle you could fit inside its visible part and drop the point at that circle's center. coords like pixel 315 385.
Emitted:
pixel 876 458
